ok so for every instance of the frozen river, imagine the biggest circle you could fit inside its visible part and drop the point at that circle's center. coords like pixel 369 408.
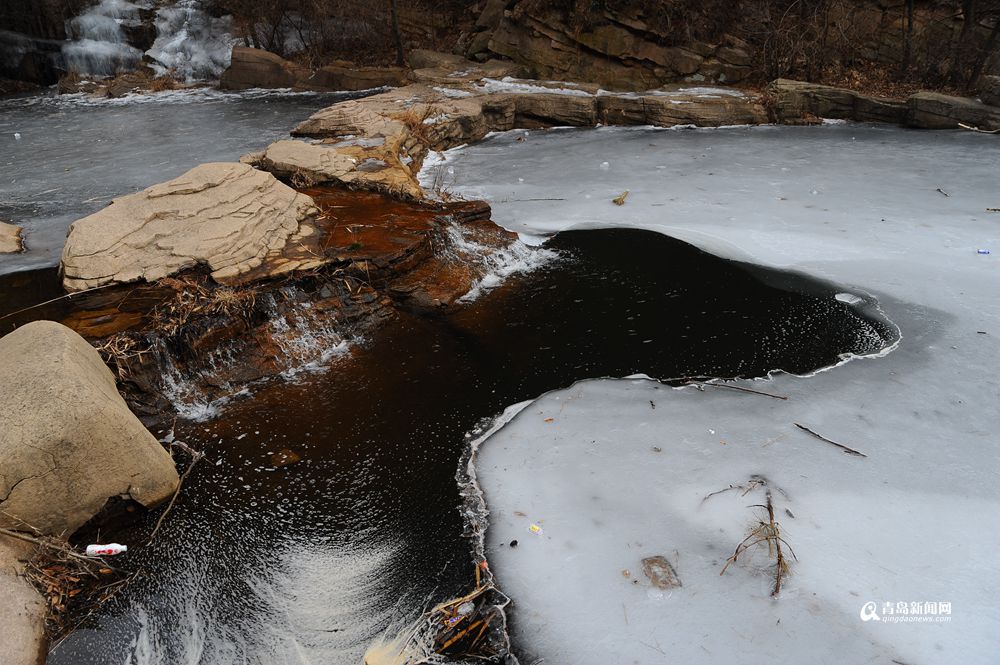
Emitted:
pixel 66 156
pixel 896 550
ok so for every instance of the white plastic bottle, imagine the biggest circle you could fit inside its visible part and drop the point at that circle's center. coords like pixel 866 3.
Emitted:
pixel 106 550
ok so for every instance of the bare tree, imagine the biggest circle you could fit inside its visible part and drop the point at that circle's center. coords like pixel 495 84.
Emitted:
pixel 400 57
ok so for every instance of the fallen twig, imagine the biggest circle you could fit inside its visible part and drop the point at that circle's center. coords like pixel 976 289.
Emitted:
pixel 849 451
pixel 47 543
pixel 976 129
pixel 180 483
pixel 63 297
pixel 740 388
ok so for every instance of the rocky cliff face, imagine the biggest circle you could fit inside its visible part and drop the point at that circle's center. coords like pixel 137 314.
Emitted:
pixel 637 44
pixel 618 49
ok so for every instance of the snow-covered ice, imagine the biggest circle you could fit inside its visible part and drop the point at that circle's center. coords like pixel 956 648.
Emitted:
pixel 615 471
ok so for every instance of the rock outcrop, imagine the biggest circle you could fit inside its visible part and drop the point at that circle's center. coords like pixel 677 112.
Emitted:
pixel 380 142
pixel 932 110
pixel 69 442
pixel 228 217
pixel 256 68
pixel 22 612
pixel 617 49
pixel 797 100
pixel 10 238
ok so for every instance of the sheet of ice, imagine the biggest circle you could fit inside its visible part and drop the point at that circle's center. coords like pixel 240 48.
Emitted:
pixel 616 471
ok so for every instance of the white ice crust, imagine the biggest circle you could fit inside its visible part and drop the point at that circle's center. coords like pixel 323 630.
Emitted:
pixel 617 470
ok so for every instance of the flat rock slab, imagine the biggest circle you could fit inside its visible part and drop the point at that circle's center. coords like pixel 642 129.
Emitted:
pixel 68 441
pixel 10 238
pixel 231 218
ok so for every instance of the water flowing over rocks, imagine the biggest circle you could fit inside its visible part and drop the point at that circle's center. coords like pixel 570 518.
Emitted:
pixel 229 217
pixel 10 238
pixel 69 442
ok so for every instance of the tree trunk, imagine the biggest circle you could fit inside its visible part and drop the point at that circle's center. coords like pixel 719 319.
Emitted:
pixel 400 56
pixel 907 39
pixel 957 73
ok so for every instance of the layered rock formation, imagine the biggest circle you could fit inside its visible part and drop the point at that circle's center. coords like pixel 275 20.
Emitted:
pixel 617 49
pixel 379 142
pixel 228 217
pixel 69 442
pixel 798 101
pixel 10 238
pixel 932 110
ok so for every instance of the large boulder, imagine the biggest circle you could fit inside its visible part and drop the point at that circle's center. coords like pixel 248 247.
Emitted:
pixel 351 163
pixel 68 442
pixel 932 110
pixel 22 612
pixel 256 68
pixel 10 238
pixel 347 76
pixel 229 217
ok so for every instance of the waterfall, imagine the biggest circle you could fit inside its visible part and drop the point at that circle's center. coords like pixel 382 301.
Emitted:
pixel 190 43
pixel 99 46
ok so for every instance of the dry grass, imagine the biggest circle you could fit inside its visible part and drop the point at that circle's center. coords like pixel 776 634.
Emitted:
pixel 416 122
pixel 196 300
pixel 766 532
pixel 119 349
pixel 161 83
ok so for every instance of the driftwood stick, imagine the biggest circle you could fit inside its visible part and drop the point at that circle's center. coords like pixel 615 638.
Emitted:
pixel 976 129
pixel 745 390
pixel 62 297
pixel 180 483
pixel 45 543
pixel 849 451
